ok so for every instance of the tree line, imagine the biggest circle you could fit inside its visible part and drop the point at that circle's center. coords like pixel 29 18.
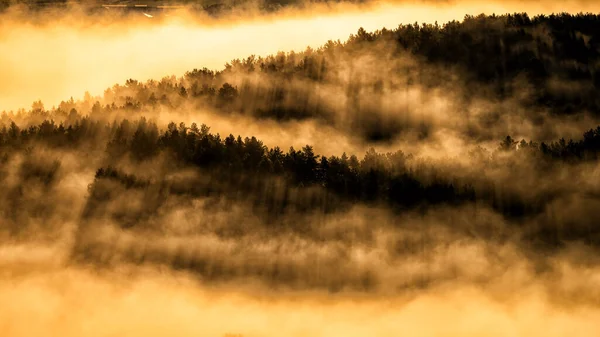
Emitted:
pixel 396 178
pixel 557 55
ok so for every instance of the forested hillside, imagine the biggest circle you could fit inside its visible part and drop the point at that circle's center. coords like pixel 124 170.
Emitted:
pixel 515 99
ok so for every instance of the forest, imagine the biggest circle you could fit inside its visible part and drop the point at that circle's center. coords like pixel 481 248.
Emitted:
pixel 168 172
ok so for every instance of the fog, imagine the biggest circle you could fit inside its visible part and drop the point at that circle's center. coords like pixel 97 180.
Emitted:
pixel 76 303
pixel 58 55
pixel 111 227
pixel 362 271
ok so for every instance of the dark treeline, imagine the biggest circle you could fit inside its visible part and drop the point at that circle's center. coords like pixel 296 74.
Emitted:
pixel 375 177
pixel 396 178
pixel 142 140
pixel 552 59
pixel 492 50
pixel 488 49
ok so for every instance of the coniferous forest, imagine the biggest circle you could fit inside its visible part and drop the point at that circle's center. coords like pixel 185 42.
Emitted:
pixel 394 162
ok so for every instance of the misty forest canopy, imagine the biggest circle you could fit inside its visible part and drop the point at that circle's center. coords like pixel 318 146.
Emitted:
pixel 490 51
pixel 555 57
pixel 549 62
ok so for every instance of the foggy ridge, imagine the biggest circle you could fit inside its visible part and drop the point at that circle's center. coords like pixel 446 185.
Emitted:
pixel 440 172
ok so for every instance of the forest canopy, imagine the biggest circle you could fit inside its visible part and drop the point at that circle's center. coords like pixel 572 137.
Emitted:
pixel 422 86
